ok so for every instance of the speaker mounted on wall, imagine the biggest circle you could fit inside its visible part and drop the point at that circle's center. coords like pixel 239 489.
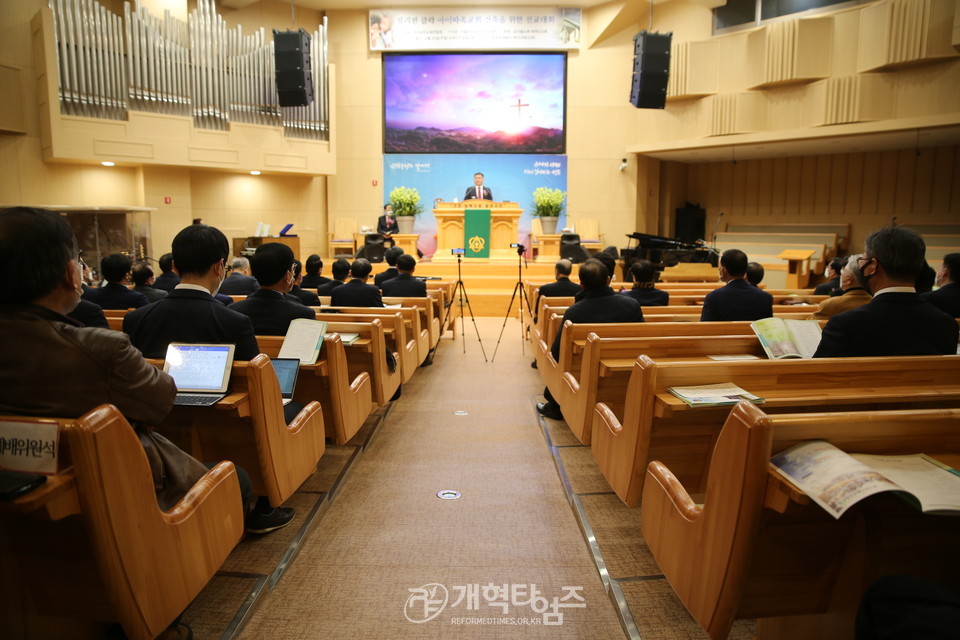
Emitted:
pixel 651 68
pixel 291 54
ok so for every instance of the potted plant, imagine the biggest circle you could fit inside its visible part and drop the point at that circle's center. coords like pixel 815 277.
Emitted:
pixel 548 205
pixel 406 206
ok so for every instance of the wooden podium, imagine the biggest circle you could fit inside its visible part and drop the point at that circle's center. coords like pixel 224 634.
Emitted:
pixel 798 267
pixel 503 228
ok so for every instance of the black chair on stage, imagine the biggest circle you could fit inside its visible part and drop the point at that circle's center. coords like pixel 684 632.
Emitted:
pixel 571 249
pixel 373 247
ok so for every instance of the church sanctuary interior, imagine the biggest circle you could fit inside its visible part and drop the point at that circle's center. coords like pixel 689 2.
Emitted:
pixel 508 469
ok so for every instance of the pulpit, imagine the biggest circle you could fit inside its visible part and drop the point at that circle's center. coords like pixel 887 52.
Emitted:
pixel 798 267
pixel 503 228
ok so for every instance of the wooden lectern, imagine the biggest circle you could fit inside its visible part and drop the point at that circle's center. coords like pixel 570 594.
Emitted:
pixel 503 227
pixel 798 267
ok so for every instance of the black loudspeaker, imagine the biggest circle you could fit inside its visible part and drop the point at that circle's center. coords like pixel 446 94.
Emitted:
pixel 691 223
pixel 651 68
pixel 291 53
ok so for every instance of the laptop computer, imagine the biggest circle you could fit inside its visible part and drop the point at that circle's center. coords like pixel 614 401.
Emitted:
pixel 287 370
pixel 201 372
pixel 283 232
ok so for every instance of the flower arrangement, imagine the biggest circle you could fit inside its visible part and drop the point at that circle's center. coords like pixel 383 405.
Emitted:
pixel 548 203
pixel 405 201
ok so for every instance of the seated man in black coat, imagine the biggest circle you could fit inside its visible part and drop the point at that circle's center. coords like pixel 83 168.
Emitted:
pixel 897 322
pixel 738 299
pixel 356 292
pixel 240 282
pixel 562 286
pixel 644 278
pixel 599 304
pixel 167 279
pixel 405 285
pixel 314 266
pixel 755 273
pixel 947 297
pixel 390 256
pixel 267 308
pixel 832 286
pixel 115 295
pixel 309 298
pixel 143 280
pixel 340 271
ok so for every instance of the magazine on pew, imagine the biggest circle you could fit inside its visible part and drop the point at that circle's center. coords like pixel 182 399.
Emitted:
pixel 714 395
pixel 346 338
pixel 837 480
pixel 782 339
pixel 303 340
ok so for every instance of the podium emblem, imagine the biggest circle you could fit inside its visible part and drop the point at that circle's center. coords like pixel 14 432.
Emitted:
pixel 477 243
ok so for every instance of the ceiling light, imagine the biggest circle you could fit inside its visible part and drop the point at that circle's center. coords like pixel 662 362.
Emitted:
pixel 108 164
pixel 254 173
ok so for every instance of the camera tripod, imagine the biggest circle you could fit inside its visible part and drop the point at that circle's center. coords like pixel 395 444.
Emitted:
pixel 524 300
pixel 459 290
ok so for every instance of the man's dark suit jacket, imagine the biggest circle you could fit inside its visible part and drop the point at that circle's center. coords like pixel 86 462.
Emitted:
pixel 188 315
pixel 946 298
pixel 383 276
pixel 383 227
pixel 356 293
pixel 271 312
pixel 312 282
pixel 116 296
pixel 238 284
pixel 327 289
pixel 89 314
pixel 166 281
pixel 892 324
pixel 405 286
pixel 737 300
pixel 471 193
pixel 827 288
pixel 308 298
pixel 649 297
pixel 152 293
pixel 563 287
pixel 599 306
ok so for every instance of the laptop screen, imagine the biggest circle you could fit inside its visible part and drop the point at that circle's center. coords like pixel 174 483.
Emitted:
pixel 200 367
pixel 286 229
pixel 287 369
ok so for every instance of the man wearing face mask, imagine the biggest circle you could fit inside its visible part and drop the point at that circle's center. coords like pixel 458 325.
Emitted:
pixel 190 313
pixel 897 322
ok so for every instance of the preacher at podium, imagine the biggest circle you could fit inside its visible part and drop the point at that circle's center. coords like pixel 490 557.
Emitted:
pixel 478 191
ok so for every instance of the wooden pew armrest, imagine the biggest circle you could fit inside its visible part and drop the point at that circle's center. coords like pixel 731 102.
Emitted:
pixel 671 488
pixel 358 382
pixel 218 484
pixel 604 414
pixel 307 414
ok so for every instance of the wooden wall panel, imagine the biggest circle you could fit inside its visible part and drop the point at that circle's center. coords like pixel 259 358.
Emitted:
pixel 922 182
pixel 945 161
pixel 751 205
pixel 808 186
pixel 778 193
pixel 906 176
pixel 791 205
pixel 849 183
pixel 887 187
pixel 821 199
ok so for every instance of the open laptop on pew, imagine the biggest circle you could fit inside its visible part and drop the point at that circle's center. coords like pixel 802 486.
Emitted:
pixel 200 371
pixel 286 370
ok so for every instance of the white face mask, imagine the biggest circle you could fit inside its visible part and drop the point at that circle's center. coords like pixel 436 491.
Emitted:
pixel 216 289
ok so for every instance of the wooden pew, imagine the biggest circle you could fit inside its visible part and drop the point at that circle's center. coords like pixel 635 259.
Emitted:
pixel 760 548
pixel 428 317
pixel 446 311
pixel 411 317
pixel 248 428
pixel 841 229
pixel 656 425
pixel 92 544
pixel 368 354
pixel 346 401
pixel 395 334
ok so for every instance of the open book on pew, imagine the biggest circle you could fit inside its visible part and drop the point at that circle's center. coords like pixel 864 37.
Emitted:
pixel 837 480
pixel 346 338
pixel 787 338
pixel 303 340
pixel 714 395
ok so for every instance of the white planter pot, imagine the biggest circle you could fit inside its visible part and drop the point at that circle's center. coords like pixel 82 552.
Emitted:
pixel 406 224
pixel 549 225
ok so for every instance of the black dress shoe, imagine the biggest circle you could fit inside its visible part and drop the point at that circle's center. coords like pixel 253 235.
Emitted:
pixel 548 410
pixel 533 365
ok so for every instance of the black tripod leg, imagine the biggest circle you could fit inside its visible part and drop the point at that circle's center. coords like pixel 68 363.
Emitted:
pixel 518 285
pixel 474 320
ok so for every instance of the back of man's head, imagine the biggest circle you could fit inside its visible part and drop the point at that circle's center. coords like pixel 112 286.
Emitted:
pixel 35 248
pixel 197 248
pixel 239 264
pixel 314 264
pixel 297 268
pixel 643 271
pixel 115 267
pixel 166 262
pixel 270 263
pixel 340 269
pixel 735 262
pixel 754 273
pixel 952 262
pixel 141 274
pixel 563 268
pixel 606 260
pixel 899 250
pixel 406 263
pixel 836 265
pixel 391 255
pixel 361 268
pixel 594 275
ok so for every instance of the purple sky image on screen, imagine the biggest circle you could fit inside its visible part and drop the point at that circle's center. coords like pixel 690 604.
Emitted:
pixel 474 103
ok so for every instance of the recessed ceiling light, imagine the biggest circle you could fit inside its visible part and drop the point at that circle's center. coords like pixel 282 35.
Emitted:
pixel 254 173
pixel 108 164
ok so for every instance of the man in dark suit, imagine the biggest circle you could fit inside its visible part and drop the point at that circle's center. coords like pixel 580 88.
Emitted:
pixel 599 304
pixel 478 191
pixel 755 273
pixel 308 298
pixel 190 313
pixel 142 276
pixel 947 297
pixel 387 224
pixel 114 294
pixel 897 322
pixel 89 314
pixel 267 308
pixel 562 286
pixel 313 279
pixel 405 285
pixel 738 299
pixel 167 279
pixel 390 256
pixel 340 271
pixel 240 282
pixel 356 292
pixel 832 286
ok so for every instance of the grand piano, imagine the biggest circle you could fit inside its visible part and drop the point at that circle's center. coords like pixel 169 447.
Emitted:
pixel 664 252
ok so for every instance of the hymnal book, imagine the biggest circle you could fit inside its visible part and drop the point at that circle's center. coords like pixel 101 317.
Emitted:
pixel 714 395
pixel 787 338
pixel 735 356
pixel 303 340
pixel 346 338
pixel 837 480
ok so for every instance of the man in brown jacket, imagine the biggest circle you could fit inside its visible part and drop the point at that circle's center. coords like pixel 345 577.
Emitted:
pixel 853 294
